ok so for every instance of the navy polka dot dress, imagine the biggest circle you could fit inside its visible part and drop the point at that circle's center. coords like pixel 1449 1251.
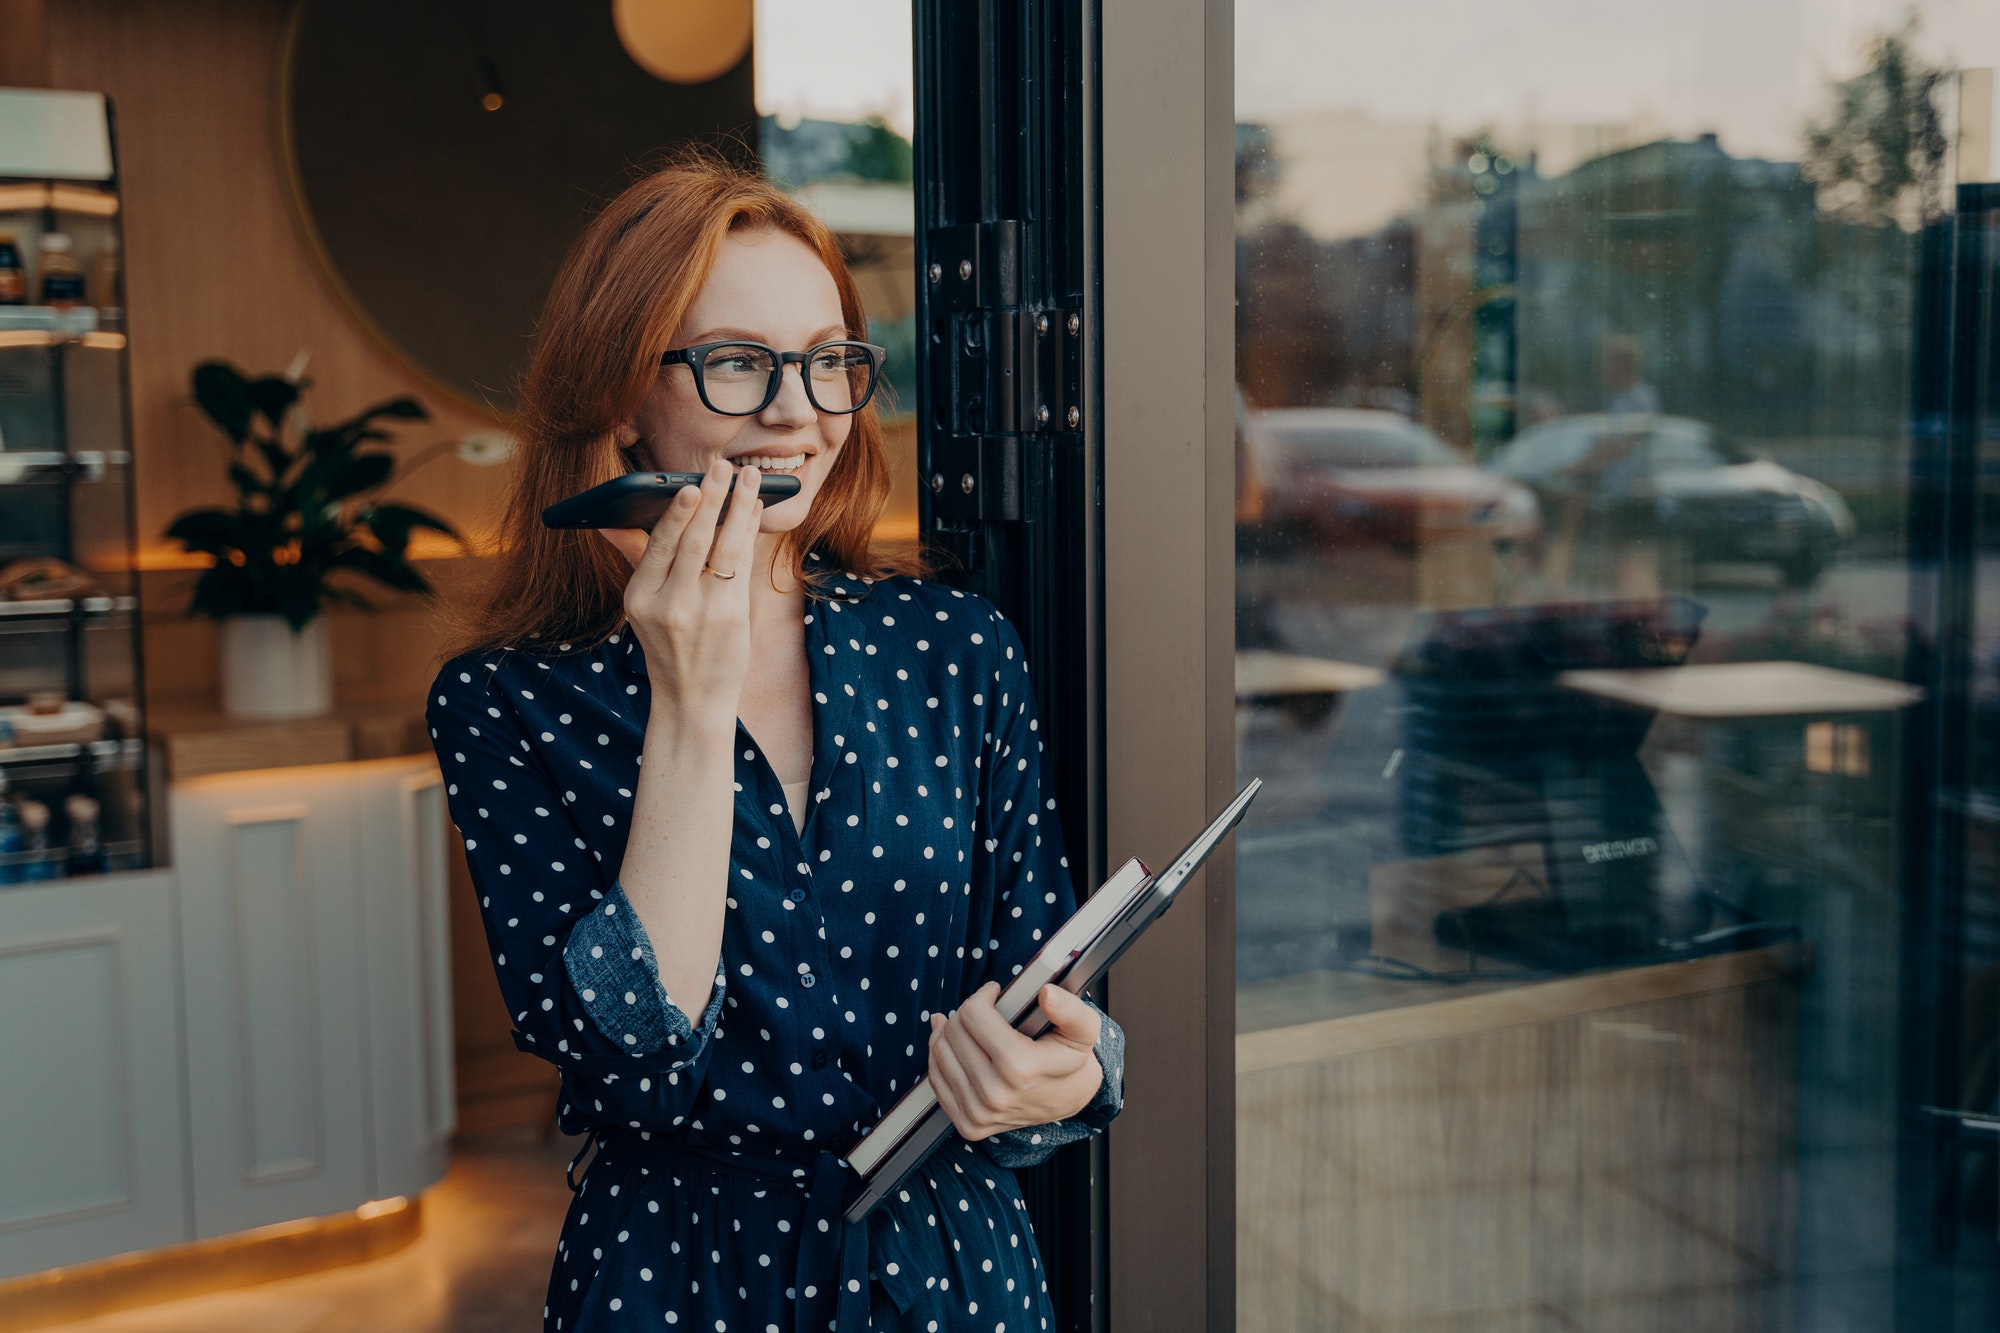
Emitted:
pixel 930 863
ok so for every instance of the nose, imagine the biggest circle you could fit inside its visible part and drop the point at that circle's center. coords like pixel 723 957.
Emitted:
pixel 791 407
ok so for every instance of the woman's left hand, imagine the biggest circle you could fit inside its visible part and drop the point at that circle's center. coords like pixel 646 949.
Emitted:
pixel 990 1079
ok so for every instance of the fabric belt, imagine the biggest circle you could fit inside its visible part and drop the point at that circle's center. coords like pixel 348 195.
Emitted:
pixel 830 1249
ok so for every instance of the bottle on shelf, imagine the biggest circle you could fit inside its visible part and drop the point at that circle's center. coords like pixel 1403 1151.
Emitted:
pixel 13 272
pixel 62 280
pixel 35 842
pixel 86 846
pixel 100 286
pixel 11 839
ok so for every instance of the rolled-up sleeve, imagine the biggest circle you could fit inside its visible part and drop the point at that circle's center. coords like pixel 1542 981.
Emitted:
pixel 1031 1145
pixel 611 965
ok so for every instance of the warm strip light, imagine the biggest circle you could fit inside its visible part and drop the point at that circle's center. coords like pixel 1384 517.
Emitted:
pixel 22 198
pixel 70 199
pixel 174 1272
pixel 113 342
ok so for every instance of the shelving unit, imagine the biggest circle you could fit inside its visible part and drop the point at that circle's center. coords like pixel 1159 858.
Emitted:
pixel 66 495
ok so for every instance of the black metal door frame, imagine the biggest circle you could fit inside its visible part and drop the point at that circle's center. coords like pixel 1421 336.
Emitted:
pixel 1011 496
pixel 1957 368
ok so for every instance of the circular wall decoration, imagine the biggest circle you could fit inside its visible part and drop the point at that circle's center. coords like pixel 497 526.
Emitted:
pixel 684 41
pixel 444 155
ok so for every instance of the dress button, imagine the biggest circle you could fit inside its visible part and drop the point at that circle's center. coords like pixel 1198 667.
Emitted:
pixel 798 895
pixel 819 1059
pixel 808 980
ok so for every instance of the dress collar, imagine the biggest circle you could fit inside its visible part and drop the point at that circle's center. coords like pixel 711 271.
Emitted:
pixel 826 582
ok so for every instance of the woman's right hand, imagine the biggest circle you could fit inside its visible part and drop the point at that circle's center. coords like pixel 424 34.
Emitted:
pixel 693 625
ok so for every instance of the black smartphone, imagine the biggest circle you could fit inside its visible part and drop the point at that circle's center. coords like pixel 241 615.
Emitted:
pixel 637 499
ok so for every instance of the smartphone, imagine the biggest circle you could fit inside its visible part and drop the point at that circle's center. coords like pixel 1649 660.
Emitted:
pixel 637 499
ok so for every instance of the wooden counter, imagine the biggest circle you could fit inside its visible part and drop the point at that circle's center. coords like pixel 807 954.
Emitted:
pixel 196 744
pixel 1608 1151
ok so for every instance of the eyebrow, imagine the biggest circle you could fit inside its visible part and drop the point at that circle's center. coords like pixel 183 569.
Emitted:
pixel 830 333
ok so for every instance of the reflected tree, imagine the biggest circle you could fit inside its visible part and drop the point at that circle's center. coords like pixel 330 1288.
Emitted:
pixel 1878 157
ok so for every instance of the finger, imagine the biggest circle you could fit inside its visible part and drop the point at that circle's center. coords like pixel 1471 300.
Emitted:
pixel 948 1099
pixel 657 551
pixel 1012 1059
pixel 994 1082
pixel 954 1090
pixel 1069 1017
pixel 691 551
pixel 736 539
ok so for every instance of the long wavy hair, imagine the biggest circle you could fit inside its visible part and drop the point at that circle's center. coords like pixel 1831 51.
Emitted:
pixel 620 295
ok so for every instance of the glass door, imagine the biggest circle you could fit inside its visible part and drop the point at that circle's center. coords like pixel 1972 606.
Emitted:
pixel 1618 936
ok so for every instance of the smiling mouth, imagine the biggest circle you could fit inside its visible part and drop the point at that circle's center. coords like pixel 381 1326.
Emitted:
pixel 771 462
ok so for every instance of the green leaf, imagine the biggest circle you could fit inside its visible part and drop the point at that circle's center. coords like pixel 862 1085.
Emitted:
pixel 360 473
pixel 337 442
pixel 211 530
pixel 273 396
pixel 224 591
pixel 225 396
pixel 392 523
pixel 407 408
pixel 246 481
pixel 385 569
pixel 277 458
pixel 299 599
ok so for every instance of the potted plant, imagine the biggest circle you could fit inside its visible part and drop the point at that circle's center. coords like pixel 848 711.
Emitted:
pixel 301 521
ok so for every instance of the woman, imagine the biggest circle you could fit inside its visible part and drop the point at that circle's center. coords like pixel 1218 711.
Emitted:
pixel 742 951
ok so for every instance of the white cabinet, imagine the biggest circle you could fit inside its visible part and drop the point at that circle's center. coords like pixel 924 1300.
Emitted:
pixel 92 1118
pixel 259 1035
pixel 318 1020
pixel 404 836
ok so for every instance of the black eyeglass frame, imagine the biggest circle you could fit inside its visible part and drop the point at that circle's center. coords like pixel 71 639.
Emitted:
pixel 692 357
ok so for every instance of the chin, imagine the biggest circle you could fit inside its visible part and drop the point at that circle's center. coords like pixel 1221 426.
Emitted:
pixel 789 513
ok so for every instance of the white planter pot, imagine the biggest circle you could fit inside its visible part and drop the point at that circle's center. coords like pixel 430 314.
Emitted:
pixel 268 671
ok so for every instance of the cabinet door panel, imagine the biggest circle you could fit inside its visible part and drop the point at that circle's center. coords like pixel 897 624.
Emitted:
pixel 93 1146
pixel 276 1051
pixel 402 834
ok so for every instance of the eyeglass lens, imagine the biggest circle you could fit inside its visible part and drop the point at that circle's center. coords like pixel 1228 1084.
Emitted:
pixel 742 378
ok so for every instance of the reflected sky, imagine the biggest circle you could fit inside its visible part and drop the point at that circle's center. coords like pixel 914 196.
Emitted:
pixel 1751 73
pixel 846 62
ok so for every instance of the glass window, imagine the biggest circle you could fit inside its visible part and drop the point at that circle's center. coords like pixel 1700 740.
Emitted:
pixel 837 109
pixel 1618 621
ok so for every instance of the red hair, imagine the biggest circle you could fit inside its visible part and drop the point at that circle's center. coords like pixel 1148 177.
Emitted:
pixel 620 295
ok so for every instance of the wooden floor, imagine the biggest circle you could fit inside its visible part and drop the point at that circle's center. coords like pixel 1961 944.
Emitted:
pixel 480 1266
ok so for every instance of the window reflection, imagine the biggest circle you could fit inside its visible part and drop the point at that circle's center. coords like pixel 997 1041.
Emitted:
pixel 1617 643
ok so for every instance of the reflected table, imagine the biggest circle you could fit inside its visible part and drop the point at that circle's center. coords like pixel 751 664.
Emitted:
pixel 1745 690
pixel 1793 763
pixel 1307 689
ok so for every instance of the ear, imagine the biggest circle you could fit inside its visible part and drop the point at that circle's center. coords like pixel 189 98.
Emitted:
pixel 632 448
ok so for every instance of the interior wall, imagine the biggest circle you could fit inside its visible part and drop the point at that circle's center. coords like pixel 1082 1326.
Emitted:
pixel 216 265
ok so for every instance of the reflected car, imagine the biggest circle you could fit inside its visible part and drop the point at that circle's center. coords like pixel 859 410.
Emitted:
pixel 1338 476
pixel 1642 472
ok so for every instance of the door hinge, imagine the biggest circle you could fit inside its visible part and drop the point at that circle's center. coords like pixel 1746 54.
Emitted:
pixel 1001 372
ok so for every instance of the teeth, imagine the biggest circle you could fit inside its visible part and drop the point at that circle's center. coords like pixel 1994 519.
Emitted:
pixel 787 463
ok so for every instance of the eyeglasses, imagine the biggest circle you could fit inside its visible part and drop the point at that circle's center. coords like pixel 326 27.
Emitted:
pixel 741 379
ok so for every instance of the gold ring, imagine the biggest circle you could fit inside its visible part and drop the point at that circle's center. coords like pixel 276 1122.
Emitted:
pixel 718 573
